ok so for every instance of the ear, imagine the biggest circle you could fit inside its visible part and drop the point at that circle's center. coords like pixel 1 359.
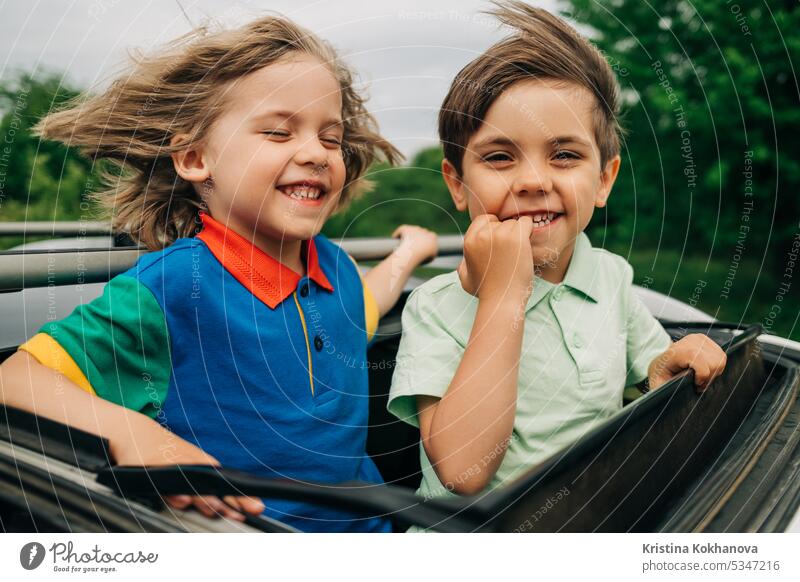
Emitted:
pixel 189 162
pixel 455 185
pixel 607 178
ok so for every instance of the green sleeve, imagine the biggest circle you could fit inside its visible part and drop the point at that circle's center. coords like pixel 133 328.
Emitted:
pixel 646 338
pixel 120 343
pixel 427 357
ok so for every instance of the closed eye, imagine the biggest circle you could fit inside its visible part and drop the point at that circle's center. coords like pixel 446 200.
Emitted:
pixel 332 140
pixel 278 133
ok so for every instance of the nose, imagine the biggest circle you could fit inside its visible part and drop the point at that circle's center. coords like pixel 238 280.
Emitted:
pixel 533 178
pixel 311 152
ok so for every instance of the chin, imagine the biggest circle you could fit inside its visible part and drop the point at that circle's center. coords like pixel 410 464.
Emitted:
pixel 546 257
pixel 301 233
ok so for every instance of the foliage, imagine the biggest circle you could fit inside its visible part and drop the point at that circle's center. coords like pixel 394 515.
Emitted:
pixel 710 163
pixel 39 180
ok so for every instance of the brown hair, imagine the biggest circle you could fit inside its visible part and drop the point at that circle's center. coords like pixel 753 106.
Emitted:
pixel 543 47
pixel 180 90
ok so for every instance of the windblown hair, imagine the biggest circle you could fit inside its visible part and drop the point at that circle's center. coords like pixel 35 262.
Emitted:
pixel 543 46
pixel 180 90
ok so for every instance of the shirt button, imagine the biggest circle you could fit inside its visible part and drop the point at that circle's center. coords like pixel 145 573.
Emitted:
pixel 318 343
pixel 558 293
pixel 304 290
pixel 577 341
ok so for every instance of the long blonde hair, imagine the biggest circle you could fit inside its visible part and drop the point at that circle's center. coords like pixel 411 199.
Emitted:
pixel 178 90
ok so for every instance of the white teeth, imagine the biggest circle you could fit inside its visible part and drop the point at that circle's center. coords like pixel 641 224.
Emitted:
pixel 303 192
pixel 543 216
pixel 543 219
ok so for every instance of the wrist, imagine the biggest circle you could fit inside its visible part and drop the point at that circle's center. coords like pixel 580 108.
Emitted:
pixel 126 428
pixel 505 306
pixel 511 296
pixel 409 254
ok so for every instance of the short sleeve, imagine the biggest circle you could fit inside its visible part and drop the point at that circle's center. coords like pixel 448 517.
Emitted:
pixel 116 346
pixel 427 358
pixel 646 337
pixel 372 313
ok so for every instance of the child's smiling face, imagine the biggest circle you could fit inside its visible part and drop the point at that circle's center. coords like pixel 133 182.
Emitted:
pixel 535 154
pixel 274 155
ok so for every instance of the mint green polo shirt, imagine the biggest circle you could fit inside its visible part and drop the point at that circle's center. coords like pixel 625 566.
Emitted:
pixel 585 340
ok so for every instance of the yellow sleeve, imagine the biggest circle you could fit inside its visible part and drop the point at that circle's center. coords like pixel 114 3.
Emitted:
pixel 49 353
pixel 371 312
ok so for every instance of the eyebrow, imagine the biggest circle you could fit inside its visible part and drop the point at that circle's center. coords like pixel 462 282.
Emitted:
pixel 495 140
pixel 565 139
pixel 499 140
pixel 333 122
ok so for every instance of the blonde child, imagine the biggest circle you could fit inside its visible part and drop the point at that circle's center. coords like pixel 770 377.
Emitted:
pixel 243 345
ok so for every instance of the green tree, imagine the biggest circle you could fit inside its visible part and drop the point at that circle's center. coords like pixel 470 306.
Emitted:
pixel 711 102
pixel 39 179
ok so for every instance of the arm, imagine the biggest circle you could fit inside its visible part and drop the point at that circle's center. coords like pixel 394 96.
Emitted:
pixel 28 385
pixel 653 357
pixel 387 279
pixel 695 351
pixel 463 431
pixel 134 439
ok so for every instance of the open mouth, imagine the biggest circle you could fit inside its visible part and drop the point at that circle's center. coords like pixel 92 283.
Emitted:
pixel 305 192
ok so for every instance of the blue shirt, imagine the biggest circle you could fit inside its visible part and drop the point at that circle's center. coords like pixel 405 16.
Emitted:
pixel 234 352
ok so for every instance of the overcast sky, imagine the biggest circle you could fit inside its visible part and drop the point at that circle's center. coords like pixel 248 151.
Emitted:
pixel 405 51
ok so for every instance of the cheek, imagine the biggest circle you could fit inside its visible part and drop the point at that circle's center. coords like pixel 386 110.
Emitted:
pixel 579 190
pixel 338 171
pixel 486 193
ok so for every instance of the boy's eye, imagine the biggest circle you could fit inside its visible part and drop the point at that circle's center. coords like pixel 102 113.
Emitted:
pixel 564 155
pixel 497 157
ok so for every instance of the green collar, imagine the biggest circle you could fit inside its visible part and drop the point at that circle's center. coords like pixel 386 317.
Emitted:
pixel 581 274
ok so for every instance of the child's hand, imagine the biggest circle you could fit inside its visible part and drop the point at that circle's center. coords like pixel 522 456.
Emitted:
pixel 152 445
pixel 695 351
pixel 416 243
pixel 498 262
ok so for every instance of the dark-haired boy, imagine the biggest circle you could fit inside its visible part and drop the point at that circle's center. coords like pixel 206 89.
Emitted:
pixel 533 340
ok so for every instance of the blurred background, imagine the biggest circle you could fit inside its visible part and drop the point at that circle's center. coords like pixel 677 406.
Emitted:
pixel 706 207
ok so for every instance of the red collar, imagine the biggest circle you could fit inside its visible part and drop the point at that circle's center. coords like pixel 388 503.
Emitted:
pixel 266 278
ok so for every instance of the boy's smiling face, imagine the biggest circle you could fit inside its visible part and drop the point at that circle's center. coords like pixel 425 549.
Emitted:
pixel 274 155
pixel 535 154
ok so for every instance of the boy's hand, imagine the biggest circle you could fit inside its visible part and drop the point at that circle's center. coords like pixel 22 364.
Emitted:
pixel 695 351
pixel 152 445
pixel 498 262
pixel 416 243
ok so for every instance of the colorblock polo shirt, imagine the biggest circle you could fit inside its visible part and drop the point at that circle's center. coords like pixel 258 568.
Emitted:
pixel 584 341
pixel 239 355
